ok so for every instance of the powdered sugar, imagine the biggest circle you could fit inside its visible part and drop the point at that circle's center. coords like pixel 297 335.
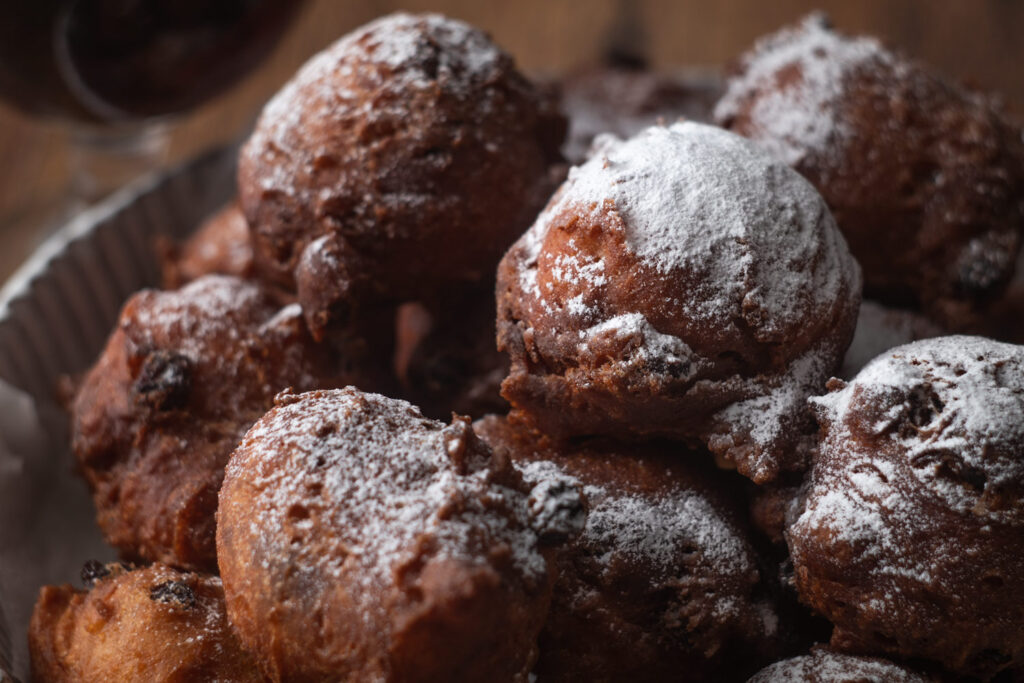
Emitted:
pixel 206 309
pixel 410 50
pixel 755 236
pixel 380 478
pixel 766 416
pixel 954 407
pixel 401 40
pixel 657 530
pixel 740 253
pixel 796 78
pixel 868 515
pixel 669 352
pixel 571 268
pixel 913 504
pixel 392 56
pixel 827 666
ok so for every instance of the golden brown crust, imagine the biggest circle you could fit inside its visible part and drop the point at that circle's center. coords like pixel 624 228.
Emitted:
pixel 925 179
pixel 152 624
pixel 911 532
pixel 661 580
pixel 221 245
pixel 381 544
pixel 181 379
pixel 658 296
pixel 406 156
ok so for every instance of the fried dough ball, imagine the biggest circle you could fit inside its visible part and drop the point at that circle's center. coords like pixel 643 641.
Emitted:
pixel 152 624
pixel 924 178
pixel 182 377
pixel 663 579
pixel 822 665
pixel 624 101
pixel 682 284
pixel 911 535
pixel 404 158
pixel 387 546
pixel 221 245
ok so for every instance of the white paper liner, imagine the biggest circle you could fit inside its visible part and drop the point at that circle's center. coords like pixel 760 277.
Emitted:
pixel 55 315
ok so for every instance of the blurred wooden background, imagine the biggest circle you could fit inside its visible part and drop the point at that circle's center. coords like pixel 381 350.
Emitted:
pixel 976 40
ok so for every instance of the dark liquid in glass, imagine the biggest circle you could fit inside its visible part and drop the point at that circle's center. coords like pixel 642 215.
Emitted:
pixel 107 60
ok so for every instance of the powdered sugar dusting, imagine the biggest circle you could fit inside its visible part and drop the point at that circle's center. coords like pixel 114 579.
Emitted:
pixel 400 50
pixel 570 268
pixel 531 243
pixel 399 40
pixel 954 406
pixel 206 309
pixel 825 666
pixel 379 476
pixel 649 346
pixel 700 200
pixel 797 77
pixel 867 514
pixel 657 530
pixel 920 460
pixel 738 248
pixel 771 410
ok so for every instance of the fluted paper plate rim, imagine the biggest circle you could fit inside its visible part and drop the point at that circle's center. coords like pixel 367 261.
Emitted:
pixel 115 242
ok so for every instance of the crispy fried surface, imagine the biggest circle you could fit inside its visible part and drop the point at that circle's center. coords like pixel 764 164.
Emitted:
pixel 662 579
pixel 924 178
pixel 385 545
pixel 152 624
pixel 911 532
pixel 405 157
pixel 183 376
pixel 680 284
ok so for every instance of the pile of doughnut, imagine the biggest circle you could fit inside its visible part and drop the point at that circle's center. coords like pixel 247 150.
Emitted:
pixel 725 399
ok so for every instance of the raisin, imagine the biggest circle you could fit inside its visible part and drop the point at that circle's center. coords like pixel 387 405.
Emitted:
pixel 93 571
pixel 173 593
pixel 164 381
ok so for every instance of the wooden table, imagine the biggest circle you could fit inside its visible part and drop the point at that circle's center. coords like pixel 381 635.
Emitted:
pixel 976 39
